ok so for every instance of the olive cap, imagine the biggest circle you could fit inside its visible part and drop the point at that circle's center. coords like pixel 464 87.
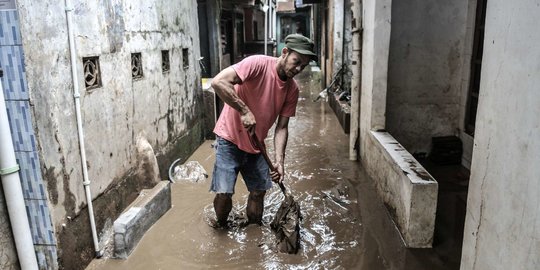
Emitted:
pixel 301 45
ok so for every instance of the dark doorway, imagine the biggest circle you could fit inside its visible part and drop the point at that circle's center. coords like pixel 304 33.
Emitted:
pixel 203 37
pixel 476 67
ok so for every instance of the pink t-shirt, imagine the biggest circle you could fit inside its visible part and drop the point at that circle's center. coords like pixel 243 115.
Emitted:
pixel 266 96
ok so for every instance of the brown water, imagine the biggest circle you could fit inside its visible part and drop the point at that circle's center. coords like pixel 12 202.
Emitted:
pixel 344 226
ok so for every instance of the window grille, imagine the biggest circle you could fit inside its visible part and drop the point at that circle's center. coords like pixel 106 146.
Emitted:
pixel 136 66
pixel 165 61
pixel 185 58
pixel 92 72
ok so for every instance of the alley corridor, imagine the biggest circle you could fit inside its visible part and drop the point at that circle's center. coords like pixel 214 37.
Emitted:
pixel 345 225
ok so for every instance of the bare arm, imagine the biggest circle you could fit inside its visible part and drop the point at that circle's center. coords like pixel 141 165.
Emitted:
pixel 281 134
pixel 223 84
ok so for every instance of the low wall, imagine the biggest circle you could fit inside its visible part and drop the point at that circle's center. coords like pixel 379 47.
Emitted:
pixel 342 111
pixel 407 189
pixel 144 212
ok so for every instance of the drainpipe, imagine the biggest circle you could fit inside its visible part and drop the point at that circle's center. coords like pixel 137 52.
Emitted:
pixel 265 8
pixel 13 193
pixel 356 77
pixel 76 95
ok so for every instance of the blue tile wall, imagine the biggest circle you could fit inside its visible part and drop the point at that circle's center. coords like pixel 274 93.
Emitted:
pixel 14 82
pixel 20 122
pixel 9 28
pixel 19 115
pixel 46 256
pixel 38 214
pixel 32 186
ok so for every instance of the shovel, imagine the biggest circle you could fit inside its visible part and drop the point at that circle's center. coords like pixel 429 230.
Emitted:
pixel 286 223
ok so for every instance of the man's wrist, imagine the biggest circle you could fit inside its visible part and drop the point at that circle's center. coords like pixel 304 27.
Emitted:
pixel 244 110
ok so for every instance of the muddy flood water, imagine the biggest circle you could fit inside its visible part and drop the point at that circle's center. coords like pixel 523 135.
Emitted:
pixel 344 226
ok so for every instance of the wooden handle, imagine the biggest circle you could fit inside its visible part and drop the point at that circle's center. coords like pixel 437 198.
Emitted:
pixel 258 144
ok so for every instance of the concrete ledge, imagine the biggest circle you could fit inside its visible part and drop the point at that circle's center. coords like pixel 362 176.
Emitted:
pixel 407 189
pixel 342 111
pixel 140 215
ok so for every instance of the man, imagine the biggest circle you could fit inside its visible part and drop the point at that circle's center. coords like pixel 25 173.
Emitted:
pixel 256 91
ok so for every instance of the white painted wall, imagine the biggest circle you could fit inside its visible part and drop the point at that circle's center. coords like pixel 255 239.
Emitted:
pixel 502 227
pixel 376 22
pixel 338 34
pixel 425 71
pixel 158 108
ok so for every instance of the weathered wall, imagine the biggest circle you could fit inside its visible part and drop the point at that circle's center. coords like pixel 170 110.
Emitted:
pixel 425 70
pixel 502 227
pixel 409 193
pixel 125 121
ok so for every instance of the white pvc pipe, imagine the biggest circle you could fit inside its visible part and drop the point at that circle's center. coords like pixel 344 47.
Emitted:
pixel 271 22
pixel 13 193
pixel 266 8
pixel 76 95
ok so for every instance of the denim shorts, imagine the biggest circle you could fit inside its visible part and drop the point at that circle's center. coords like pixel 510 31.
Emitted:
pixel 230 161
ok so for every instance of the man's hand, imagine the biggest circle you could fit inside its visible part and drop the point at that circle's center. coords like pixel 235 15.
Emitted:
pixel 277 175
pixel 248 120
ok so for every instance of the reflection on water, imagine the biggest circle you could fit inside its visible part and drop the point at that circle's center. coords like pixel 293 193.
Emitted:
pixel 344 224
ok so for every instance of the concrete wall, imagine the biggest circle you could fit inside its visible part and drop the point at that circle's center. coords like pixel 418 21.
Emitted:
pixel 502 227
pixel 408 191
pixel 425 70
pixel 375 48
pixel 133 128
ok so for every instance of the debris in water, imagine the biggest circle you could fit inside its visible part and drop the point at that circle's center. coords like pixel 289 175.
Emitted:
pixel 286 224
pixel 191 171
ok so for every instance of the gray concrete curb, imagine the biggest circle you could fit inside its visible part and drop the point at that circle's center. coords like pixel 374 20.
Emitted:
pixel 140 215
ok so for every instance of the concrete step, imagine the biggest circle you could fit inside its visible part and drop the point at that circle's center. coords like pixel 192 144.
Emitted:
pixel 342 111
pixel 140 215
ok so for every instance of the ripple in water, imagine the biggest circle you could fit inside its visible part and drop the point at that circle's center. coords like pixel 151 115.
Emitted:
pixel 329 228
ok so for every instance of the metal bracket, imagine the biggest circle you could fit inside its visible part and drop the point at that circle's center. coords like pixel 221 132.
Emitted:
pixel 10 170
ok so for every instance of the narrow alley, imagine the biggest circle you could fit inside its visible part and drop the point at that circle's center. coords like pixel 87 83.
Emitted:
pixel 414 145
pixel 345 225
